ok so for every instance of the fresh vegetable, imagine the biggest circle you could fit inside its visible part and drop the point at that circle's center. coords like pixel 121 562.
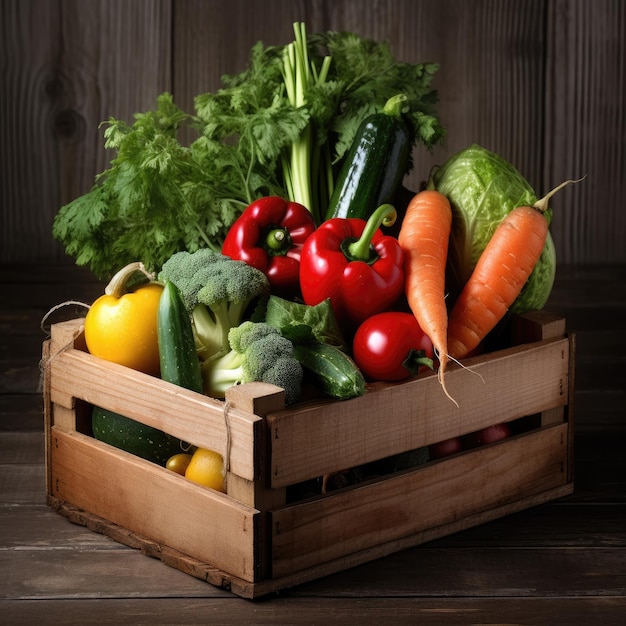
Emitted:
pixel 423 237
pixel 178 462
pixel 319 346
pixel 217 291
pixel 502 270
pixel 354 264
pixel 330 369
pixel 269 235
pixel 206 467
pixel 121 325
pixel 180 365
pixel 302 323
pixel 160 195
pixel 132 436
pixel 483 188
pixel 391 346
pixel 177 350
pixel 258 353
pixel 307 170
pixel 374 167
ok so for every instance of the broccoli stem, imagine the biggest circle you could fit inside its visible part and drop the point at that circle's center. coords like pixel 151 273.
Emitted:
pixel 210 333
pixel 221 373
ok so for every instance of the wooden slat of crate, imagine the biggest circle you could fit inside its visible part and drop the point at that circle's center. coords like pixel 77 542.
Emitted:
pixel 324 437
pixel 157 503
pixel 452 490
pixel 190 416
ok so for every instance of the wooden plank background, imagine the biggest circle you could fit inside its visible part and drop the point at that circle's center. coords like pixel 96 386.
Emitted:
pixel 542 82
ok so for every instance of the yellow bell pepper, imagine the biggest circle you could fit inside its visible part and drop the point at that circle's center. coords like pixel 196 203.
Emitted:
pixel 121 325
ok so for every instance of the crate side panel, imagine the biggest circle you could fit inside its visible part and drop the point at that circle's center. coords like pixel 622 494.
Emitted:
pixel 192 417
pixel 318 531
pixel 150 500
pixel 315 439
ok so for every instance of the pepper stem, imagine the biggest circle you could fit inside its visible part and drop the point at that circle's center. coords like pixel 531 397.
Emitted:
pixel 277 241
pixel 119 284
pixel 384 215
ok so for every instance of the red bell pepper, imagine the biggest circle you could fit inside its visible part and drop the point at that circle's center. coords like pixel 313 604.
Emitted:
pixel 269 235
pixel 354 264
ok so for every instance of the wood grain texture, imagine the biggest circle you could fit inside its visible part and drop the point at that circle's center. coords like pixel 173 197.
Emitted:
pixel 321 437
pixel 420 503
pixel 68 66
pixel 157 503
pixel 585 131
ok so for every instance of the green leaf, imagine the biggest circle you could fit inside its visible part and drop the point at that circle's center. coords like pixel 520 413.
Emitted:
pixel 303 323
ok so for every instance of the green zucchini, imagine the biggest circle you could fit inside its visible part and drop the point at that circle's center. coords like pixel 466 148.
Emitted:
pixel 375 164
pixel 330 369
pixel 179 365
pixel 177 351
pixel 132 436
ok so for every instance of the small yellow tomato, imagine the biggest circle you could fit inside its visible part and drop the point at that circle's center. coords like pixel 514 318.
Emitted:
pixel 179 463
pixel 121 326
pixel 207 468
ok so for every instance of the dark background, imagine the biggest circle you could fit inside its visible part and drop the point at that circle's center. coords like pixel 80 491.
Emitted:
pixel 542 82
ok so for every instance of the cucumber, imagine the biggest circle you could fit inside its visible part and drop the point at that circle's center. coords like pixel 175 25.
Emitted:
pixel 375 165
pixel 331 370
pixel 132 436
pixel 177 351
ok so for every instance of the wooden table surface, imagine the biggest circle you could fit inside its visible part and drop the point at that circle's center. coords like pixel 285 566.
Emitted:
pixel 559 563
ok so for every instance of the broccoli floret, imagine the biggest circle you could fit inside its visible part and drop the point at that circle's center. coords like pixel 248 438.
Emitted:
pixel 217 292
pixel 259 353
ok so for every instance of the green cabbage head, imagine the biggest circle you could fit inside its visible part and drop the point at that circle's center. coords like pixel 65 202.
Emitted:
pixel 482 188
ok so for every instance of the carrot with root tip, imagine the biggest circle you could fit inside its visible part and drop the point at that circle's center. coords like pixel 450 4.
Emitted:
pixel 499 276
pixel 424 236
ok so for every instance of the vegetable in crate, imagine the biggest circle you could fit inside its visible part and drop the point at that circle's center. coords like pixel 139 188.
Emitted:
pixel 423 237
pixel 373 169
pixel 121 325
pixel 499 276
pixel 258 352
pixel 206 467
pixel 269 235
pixel 483 188
pixel 330 369
pixel 319 346
pixel 177 350
pixel 264 132
pixel 354 264
pixel 391 346
pixel 180 365
pixel 301 322
pixel 132 436
pixel 219 293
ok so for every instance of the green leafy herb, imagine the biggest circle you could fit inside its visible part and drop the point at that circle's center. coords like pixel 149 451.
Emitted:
pixel 280 127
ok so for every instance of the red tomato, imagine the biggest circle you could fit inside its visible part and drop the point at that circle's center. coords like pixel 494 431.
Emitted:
pixel 391 346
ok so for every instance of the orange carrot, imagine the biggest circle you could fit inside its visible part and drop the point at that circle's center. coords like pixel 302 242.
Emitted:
pixel 424 236
pixel 499 276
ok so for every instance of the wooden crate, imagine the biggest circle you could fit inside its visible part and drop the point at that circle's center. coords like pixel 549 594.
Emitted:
pixel 256 538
